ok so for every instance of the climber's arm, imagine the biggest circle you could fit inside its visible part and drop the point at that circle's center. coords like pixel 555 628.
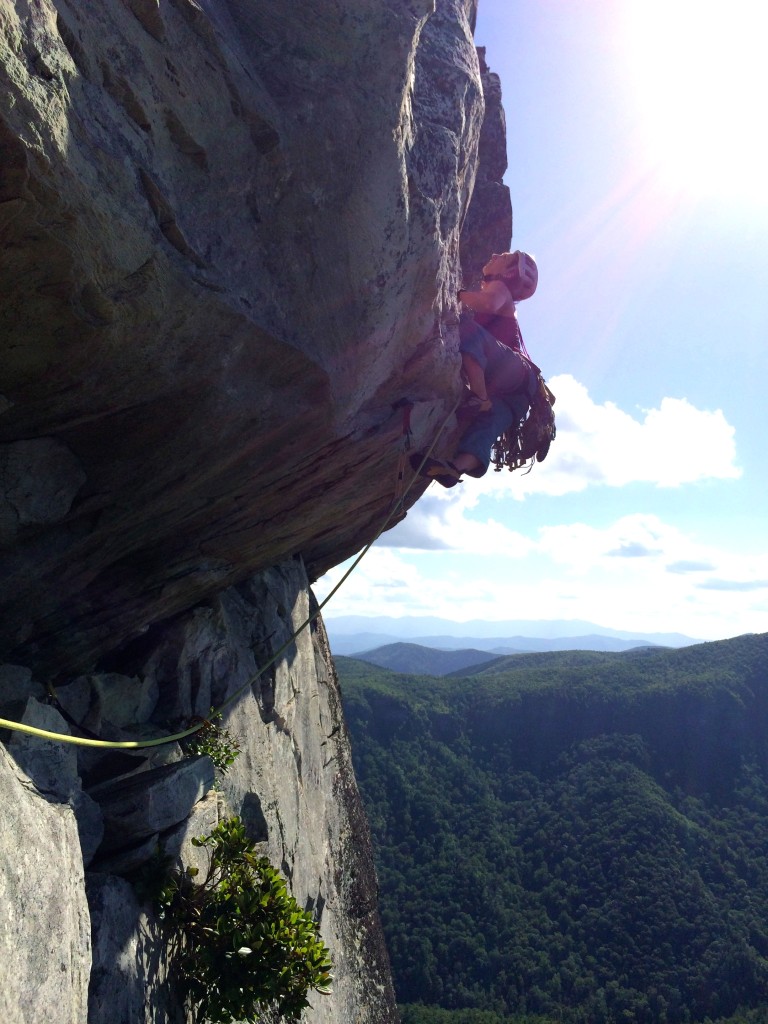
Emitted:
pixel 475 375
pixel 490 299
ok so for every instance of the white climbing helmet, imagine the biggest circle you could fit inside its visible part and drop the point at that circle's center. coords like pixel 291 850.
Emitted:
pixel 518 270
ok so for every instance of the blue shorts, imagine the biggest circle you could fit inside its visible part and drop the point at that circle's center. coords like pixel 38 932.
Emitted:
pixel 511 383
pixel 479 436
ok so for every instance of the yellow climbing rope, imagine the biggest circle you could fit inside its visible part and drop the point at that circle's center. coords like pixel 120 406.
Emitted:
pixel 84 741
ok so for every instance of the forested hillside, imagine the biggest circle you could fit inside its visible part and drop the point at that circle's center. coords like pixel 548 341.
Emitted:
pixel 415 659
pixel 578 836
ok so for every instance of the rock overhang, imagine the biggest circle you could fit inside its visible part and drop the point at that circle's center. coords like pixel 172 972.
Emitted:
pixel 232 236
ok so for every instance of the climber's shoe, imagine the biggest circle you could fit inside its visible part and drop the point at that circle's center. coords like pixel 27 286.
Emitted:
pixel 444 472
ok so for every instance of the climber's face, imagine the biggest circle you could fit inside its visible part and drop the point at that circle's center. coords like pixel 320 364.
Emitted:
pixel 518 270
pixel 497 264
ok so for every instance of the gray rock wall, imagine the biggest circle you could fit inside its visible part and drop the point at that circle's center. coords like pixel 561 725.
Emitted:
pixel 488 224
pixel 231 237
pixel 45 942
pixel 292 784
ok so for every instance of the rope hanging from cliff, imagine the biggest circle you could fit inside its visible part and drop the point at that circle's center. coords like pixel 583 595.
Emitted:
pixel 85 741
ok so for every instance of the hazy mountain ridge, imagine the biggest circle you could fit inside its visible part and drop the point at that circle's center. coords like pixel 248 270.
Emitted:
pixel 415 659
pixel 358 635
pixel 412 626
pixel 421 659
pixel 580 835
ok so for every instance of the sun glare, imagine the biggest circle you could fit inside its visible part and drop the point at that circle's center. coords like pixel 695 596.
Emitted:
pixel 699 76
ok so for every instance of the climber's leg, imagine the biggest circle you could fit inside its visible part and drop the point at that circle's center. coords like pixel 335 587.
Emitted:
pixel 473 452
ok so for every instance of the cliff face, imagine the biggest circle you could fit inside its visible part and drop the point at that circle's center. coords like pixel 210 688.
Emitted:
pixel 77 947
pixel 232 238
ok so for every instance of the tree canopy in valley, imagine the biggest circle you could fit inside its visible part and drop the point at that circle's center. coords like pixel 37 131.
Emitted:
pixel 578 837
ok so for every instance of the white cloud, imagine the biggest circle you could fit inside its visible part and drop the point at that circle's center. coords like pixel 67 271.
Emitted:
pixel 671 445
pixel 580 546
pixel 438 521
pixel 381 580
pixel 596 445
pixel 638 573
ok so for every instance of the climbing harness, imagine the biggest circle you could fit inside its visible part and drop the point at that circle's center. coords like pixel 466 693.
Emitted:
pixel 528 442
pixel 87 741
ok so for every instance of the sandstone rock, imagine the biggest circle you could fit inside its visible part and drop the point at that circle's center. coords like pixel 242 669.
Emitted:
pixel 222 273
pixel 292 783
pixel 128 858
pixel 75 699
pixel 39 480
pixel 90 824
pixel 96 766
pixel 174 667
pixel 177 842
pixel 231 239
pixel 45 952
pixel 129 979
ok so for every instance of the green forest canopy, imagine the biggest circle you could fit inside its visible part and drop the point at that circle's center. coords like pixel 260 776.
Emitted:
pixel 578 836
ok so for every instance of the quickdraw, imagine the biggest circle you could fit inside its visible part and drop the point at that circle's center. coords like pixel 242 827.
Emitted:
pixel 529 442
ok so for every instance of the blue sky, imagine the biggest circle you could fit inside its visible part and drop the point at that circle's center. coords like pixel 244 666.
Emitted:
pixel 637 166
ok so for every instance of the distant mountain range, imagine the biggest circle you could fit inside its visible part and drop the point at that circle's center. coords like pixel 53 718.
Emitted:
pixel 414 659
pixel 363 636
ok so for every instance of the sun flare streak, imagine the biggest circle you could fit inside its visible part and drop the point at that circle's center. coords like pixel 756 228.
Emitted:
pixel 699 78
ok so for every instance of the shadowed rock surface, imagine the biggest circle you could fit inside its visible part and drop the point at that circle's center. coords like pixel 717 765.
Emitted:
pixel 231 235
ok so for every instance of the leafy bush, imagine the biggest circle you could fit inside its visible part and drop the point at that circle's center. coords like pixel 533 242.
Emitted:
pixel 214 741
pixel 240 943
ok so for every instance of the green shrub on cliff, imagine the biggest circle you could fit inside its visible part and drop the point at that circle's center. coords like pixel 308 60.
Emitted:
pixel 215 741
pixel 239 942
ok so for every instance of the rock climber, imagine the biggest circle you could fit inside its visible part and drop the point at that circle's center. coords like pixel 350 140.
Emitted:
pixel 501 379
